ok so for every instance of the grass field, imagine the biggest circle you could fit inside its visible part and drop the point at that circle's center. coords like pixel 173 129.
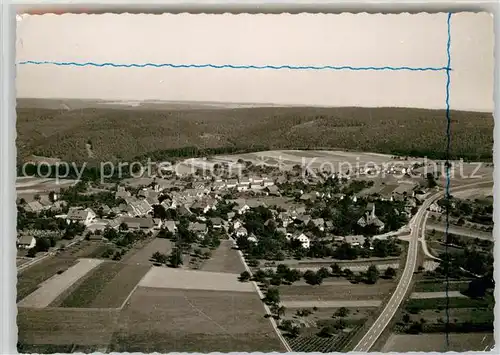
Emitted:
pixel 29 278
pixel 143 255
pixel 440 303
pixel 457 315
pixel 166 320
pixel 85 293
pixel 107 287
pixel 437 342
pixel 164 277
pixel 116 290
pixel 224 259
pixel 440 286
pixel 333 292
pixel 50 289
pixel 438 294
pixel 61 327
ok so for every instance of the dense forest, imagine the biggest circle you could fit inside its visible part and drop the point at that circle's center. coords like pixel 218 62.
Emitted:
pixel 127 133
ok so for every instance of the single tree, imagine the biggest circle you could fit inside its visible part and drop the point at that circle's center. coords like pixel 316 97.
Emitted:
pixel 390 273
pixel 244 276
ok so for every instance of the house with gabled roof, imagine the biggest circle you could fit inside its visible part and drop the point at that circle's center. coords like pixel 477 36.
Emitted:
pixel 84 216
pixel 200 229
pixel 217 222
pixel 26 242
pixel 33 206
pixel 170 226
pixel 318 223
pixel 141 223
pixel 303 239
pixel 241 232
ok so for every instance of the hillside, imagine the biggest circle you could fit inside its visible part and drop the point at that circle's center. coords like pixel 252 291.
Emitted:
pixel 126 132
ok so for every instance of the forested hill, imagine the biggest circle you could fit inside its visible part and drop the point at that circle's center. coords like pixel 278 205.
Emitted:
pixel 125 133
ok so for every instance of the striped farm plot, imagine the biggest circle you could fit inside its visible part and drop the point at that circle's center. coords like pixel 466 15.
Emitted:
pixel 162 277
pixel 430 295
pixel 332 304
pixel 50 289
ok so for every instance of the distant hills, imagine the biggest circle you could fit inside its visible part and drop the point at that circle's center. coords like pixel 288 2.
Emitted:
pixel 123 131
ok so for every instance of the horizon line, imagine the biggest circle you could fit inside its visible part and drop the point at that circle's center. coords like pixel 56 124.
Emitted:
pixel 257 104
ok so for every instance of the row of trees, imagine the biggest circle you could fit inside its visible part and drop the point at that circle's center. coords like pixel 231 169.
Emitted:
pixel 286 275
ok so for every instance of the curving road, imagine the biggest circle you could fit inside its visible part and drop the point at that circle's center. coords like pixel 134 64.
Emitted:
pixel 416 225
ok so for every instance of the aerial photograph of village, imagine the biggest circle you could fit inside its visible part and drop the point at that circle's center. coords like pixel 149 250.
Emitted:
pixel 226 210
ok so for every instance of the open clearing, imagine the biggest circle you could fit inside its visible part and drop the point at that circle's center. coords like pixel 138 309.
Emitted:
pixel 166 320
pixel 57 284
pixel 439 294
pixel 83 292
pixel 224 259
pixel 352 292
pixel 472 194
pixel 437 342
pixel 163 277
pixel 117 290
pixel 354 313
pixel 440 286
pixel 66 326
pixel 143 255
pixel 30 277
pixel 331 304
pixel 466 232
pixel 474 315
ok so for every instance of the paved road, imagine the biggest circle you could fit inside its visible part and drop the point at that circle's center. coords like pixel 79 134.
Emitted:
pixel 416 224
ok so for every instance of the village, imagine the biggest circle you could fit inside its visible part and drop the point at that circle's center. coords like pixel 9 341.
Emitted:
pixel 282 231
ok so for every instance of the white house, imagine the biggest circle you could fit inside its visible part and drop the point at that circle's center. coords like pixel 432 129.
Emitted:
pixel 256 180
pixel 241 206
pixel 267 182
pixel 435 208
pixel 303 239
pixel 243 184
pixel 85 216
pixel 241 232
pixel 26 242
pixel 285 218
pixel 170 226
pixel 236 225
pixel 252 238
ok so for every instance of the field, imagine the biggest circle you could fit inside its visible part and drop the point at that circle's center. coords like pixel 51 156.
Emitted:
pixel 53 132
pixel 337 292
pixel 440 303
pixel 62 327
pixel 437 342
pixel 440 286
pixel 224 259
pixel 31 277
pixel 331 304
pixel 166 320
pixel 50 289
pixel 164 277
pixel 107 287
pixel 438 294
pixel 143 255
